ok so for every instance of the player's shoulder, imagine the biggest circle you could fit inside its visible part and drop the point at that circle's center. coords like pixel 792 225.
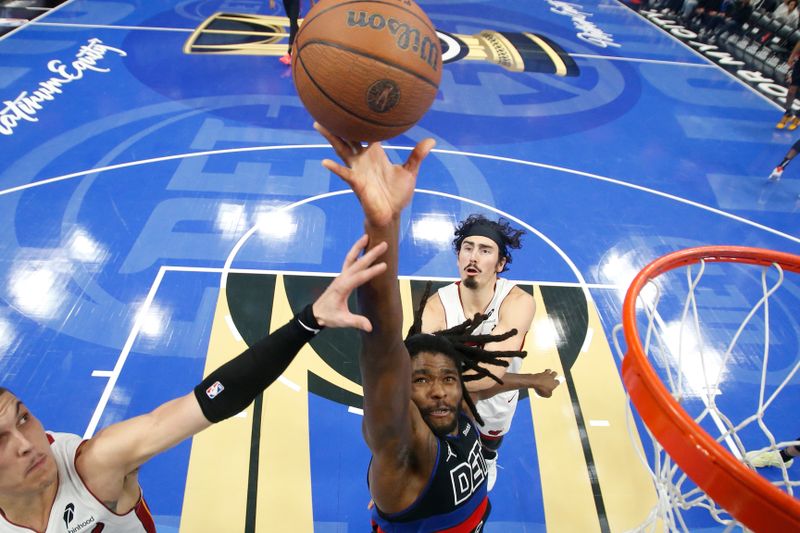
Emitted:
pixel 518 300
pixel 63 439
pixel 64 445
pixel 517 293
pixel 434 304
pixel 433 315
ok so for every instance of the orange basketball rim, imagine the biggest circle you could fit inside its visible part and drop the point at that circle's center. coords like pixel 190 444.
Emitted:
pixel 747 496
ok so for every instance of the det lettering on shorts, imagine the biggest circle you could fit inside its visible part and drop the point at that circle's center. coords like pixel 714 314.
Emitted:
pixel 467 476
pixel 405 36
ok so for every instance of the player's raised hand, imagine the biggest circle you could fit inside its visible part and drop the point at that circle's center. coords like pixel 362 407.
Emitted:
pixel 383 188
pixel 331 309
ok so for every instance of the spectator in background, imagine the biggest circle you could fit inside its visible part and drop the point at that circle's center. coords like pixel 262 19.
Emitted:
pixel 739 13
pixel 768 6
pixel 787 13
pixel 707 11
pixel 789 119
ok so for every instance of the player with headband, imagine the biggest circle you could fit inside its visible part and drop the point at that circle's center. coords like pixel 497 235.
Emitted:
pixel 482 249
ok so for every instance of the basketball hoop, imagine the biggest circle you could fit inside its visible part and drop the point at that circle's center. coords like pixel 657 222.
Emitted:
pixel 726 484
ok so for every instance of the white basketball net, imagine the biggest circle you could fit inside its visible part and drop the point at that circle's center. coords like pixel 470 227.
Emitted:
pixel 694 371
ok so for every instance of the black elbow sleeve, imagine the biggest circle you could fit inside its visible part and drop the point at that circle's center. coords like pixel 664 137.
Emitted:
pixel 229 389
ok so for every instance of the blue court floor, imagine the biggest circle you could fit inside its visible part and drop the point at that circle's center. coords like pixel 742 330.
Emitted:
pixel 127 191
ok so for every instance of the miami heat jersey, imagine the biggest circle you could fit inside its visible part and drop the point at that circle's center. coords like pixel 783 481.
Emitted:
pixel 75 509
pixel 455 498
pixel 497 411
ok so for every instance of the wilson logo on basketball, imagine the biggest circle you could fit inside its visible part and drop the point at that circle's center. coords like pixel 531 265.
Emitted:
pixel 405 36
pixel 383 95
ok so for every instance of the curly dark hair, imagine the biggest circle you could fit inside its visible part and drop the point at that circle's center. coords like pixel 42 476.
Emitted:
pixel 459 344
pixel 510 236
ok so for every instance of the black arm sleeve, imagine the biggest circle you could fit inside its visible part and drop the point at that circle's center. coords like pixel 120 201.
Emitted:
pixel 234 385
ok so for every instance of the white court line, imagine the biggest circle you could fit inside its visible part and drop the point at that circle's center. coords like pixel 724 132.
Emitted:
pixel 587 341
pixel 232 328
pixel 642 60
pixel 289 383
pixel 15 30
pixel 123 356
pixel 391 147
pixel 225 270
pixel 301 273
pixel 101 373
pixel 154 160
pixel 190 30
pixel 110 27
pixel 355 410
pixel 249 233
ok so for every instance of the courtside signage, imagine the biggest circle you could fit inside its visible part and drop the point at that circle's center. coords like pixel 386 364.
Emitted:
pixel 771 88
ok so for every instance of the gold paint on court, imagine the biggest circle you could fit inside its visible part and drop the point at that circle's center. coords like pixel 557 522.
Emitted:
pixel 565 484
pixel 216 485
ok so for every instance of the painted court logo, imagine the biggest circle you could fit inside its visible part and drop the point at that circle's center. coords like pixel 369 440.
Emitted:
pixel 588 31
pixel 27 105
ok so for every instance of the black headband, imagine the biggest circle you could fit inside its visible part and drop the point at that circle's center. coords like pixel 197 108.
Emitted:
pixel 485 230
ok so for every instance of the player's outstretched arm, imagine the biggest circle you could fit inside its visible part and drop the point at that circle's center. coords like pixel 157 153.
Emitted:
pixel 543 383
pixel 393 427
pixel 117 451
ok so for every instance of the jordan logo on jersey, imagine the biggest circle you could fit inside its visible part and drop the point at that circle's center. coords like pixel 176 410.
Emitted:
pixel 449 453
pixel 467 476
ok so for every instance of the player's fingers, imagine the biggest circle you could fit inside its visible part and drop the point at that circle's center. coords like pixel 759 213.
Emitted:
pixel 355 250
pixel 420 152
pixel 365 275
pixel 340 146
pixel 360 322
pixel 356 279
pixel 355 147
pixel 368 258
pixel 341 171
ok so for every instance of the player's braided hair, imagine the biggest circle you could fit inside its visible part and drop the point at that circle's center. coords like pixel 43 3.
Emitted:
pixel 459 344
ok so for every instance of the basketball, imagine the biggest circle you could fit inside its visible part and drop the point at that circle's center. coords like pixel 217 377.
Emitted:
pixel 367 70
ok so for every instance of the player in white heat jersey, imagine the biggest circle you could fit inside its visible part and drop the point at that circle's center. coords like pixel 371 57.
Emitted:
pixel 60 483
pixel 75 508
pixel 483 251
